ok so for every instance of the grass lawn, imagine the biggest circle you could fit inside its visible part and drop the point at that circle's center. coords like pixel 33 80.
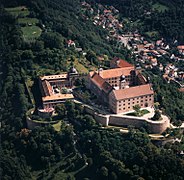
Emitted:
pixel 31 32
pixel 142 113
pixel 136 23
pixel 152 34
pixel 159 7
pixel 29 84
pixel 40 71
pixel 80 68
pixel 57 126
pixel 18 11
pixel 27 21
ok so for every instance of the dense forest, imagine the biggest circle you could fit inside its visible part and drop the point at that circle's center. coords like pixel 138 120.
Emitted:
pixel 82 149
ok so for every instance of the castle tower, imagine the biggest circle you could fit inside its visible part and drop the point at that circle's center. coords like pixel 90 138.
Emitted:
pixel 122 82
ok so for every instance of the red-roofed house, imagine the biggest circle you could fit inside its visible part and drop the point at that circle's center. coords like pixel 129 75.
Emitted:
pixel 70 43
pixel 120 63
pixel 181 49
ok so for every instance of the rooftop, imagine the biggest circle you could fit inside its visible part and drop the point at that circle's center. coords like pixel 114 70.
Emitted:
pixel 101 83
pixel 106 74
pixel 120 63
pixel 58 97
pixel 49 94
pixel 181 47
pixel 47 88
pixel 133 92
pixel 54 77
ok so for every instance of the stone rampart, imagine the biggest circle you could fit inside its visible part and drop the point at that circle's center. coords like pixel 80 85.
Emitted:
pixel 126 121
pixel 31 124
pixel 100 118
pixel 155 127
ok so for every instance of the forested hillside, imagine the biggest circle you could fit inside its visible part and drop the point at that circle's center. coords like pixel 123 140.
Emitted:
pixel 81 149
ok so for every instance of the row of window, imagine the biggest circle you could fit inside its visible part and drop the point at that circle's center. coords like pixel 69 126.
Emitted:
pixel 137 98
pixel 137 102
pixel 113 78
pixel 128 107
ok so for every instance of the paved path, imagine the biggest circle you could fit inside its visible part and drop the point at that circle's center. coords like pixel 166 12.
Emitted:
pixel 182 126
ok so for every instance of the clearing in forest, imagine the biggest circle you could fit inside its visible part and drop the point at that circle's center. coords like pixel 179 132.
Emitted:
pixel 29 26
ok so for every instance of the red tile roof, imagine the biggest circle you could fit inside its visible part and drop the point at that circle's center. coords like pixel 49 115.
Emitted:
pixel 181 47
pixel 47 88
pixel 120 63
pixel 106 74
pixel 101 83
pixel 97 80
pixel 132 92
pixel 181 90
pixel 57 97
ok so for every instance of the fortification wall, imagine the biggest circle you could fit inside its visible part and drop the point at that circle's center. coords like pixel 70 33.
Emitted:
pixel 100 118
pixel 155 127
pixel 31 124
pixel 126 121
pixel 159 126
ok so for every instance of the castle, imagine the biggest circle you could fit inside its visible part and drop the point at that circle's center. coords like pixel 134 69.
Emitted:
pixel 121 87
pixel 56 89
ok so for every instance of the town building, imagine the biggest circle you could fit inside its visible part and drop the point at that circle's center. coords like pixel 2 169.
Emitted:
pixel 181 49
pixel 122 87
